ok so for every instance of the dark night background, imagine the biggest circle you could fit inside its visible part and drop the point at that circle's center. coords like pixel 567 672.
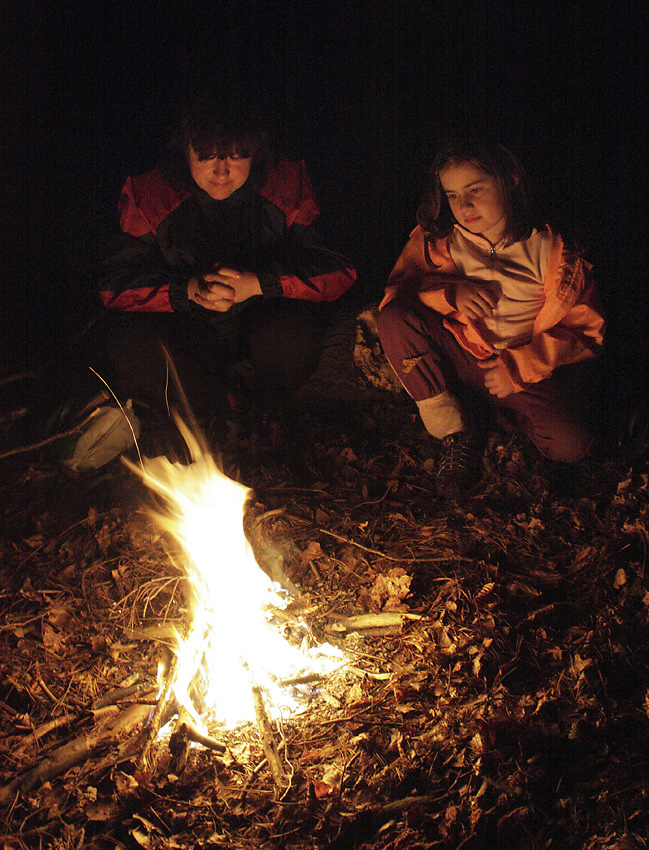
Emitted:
pixel 361 91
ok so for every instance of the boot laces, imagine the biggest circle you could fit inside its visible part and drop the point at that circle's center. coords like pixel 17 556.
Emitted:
pixel 459 455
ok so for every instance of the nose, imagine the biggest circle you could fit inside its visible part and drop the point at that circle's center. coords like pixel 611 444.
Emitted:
pixel 466 202
pixel 220 167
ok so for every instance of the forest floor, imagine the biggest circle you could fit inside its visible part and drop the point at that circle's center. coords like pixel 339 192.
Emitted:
pixel 498 699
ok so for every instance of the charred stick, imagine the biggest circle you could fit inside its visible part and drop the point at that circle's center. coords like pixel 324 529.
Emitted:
pixel 204 740
pixel 46 728
pixel 120 694
pixel 396 807
pixel 75 752
pixel 262 764
pixel 151 732
pixel 184 733
pixel 268 743
pixel 179 744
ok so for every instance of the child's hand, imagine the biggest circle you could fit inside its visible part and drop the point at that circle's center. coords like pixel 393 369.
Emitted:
pixel 212 296
pixel 244 284
pixel 219 289
pixel 474 301
pixel 497 379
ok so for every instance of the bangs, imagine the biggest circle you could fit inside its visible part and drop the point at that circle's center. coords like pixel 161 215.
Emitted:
pixel 213 130
pixel 223 142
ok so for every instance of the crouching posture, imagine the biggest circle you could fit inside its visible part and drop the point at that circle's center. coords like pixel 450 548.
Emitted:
pixel 220 259
pixel 489 321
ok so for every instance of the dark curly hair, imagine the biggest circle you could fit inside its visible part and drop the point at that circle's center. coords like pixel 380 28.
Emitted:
pixel 214 127
pixel 434 214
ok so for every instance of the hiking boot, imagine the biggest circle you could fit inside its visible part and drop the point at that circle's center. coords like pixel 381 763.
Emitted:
pixel 459 469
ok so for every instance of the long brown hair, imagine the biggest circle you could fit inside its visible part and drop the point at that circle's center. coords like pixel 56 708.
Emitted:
pixel 434 214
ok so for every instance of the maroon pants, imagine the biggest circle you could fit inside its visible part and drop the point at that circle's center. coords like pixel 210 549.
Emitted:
pixel 555 414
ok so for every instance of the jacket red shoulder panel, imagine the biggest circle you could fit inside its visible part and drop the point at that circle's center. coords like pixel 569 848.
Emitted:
pixel 146 201
pixel 288 187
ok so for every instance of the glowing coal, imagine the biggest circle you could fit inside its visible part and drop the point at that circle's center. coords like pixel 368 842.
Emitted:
pixel 235 643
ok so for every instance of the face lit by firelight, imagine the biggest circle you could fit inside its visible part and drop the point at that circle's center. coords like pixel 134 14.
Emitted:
pixel 219 176
pixel 475 199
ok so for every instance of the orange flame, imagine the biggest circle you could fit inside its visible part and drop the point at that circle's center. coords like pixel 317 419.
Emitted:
pixel 234 644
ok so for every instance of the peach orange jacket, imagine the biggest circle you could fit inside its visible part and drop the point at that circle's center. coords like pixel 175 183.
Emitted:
pixel 568 328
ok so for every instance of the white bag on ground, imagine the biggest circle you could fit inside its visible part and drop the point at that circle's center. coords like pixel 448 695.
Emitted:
pixel 109 433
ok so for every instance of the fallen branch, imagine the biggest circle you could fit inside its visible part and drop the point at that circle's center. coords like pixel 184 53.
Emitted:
pixel 444 559
pixel 75 752
pixel 383 623
pixel 17 376
pixel 41 444
pixel 151 733
pixel 118 695
pixel 45 729
pixel 77 429
pixel 268 744
pixel 184 733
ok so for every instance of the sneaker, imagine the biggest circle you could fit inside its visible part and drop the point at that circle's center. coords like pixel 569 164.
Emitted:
pixel 459 469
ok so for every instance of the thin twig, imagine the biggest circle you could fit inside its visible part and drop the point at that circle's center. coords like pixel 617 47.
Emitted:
pixel 18 376
pixel 358 545
pixel 46 728
pixel 400 559
pixel 41 444
pixel 119 404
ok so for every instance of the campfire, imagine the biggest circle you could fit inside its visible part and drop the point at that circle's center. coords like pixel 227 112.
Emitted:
pixel 493 685
pixel 242 657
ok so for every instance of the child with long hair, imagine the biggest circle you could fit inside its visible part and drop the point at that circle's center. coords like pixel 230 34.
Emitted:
pixel 487 319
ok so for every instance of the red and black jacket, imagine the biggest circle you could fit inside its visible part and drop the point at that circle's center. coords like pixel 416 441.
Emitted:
pixel 170 234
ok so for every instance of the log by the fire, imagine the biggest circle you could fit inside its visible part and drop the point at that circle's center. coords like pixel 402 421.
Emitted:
pixel 76 751
pixel 160 715
pixel 184 734
pixel 271 750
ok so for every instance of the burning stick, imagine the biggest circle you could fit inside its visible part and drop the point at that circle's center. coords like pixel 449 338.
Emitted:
pixel 182 737
pixel 164 700
pixel 268 740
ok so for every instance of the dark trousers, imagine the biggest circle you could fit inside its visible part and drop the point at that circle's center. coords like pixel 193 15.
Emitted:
pixel 556 414
pixel 281 339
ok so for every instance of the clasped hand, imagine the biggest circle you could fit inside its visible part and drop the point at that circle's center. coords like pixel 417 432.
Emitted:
pixel 221 288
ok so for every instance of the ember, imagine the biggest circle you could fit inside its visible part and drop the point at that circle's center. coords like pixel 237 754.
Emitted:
pixel 235 648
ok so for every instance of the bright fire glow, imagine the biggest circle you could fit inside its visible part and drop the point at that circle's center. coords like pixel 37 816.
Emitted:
pixel 234 643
